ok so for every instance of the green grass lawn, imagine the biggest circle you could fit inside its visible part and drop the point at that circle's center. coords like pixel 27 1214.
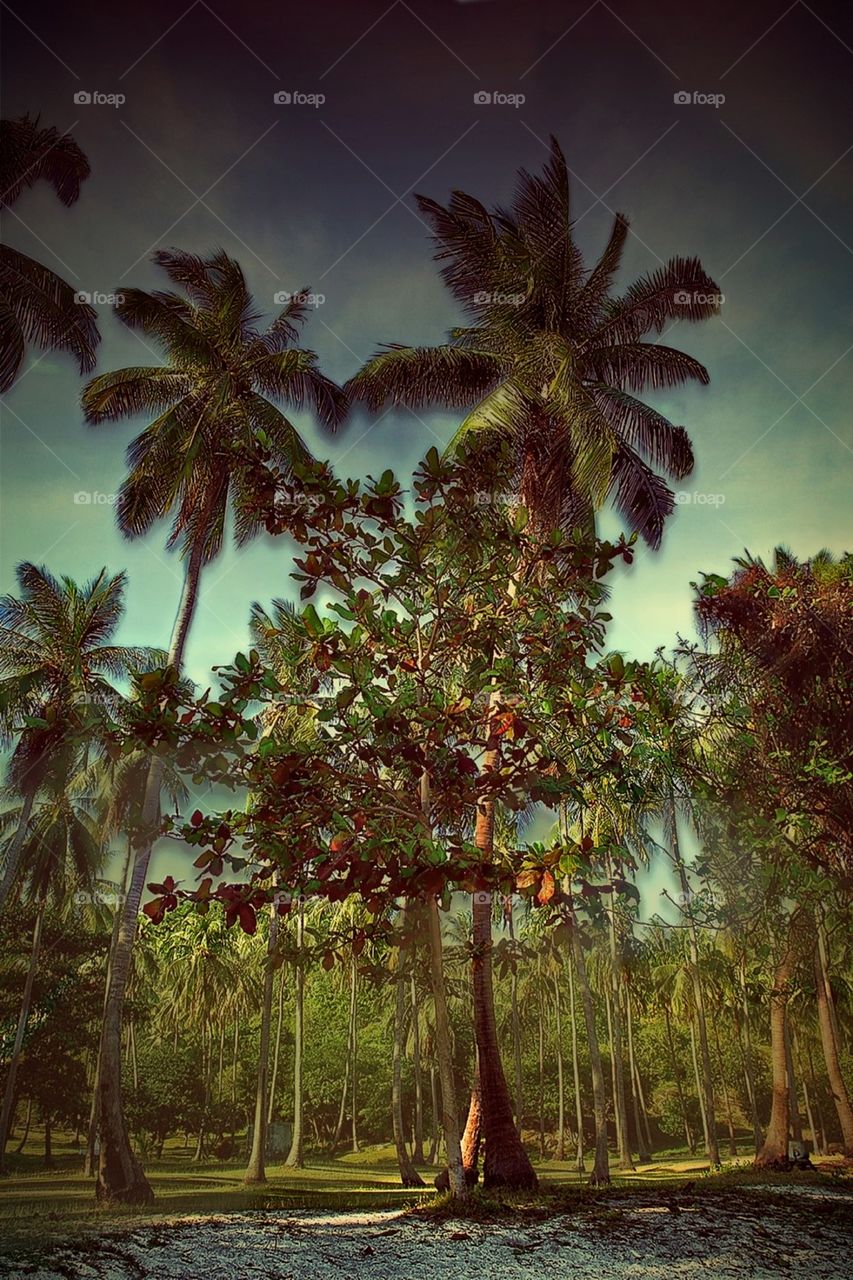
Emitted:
pixel 43 1205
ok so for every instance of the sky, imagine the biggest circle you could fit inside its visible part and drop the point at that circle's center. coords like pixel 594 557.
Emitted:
pixel 195 147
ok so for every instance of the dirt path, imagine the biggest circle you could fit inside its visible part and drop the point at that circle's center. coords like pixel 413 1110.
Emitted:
pixel 721 1238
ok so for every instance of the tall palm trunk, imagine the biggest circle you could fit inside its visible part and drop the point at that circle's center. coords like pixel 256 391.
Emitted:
pixel 27 1120
pixel 417 1071
pixel 516 1025
pixel 727 1101
pixel 473 1135
pixel 256 1169
pixel 798 1066
pixel 92 1128
pixel 443 1044
pixel 676 1071
pixel 707 1076
pixel 354 1054
pixel 601 1165
pixel 745 1046
pixel 296 1156
pixel 793 1106
pixel 829 1044
pixel 409 1175
pixel 816 1095
pixel 506 1162
pixel 576 1075
pixel 625 1161
pixel 120 1175
pixel 697 1075
pixel 644 1155
pixel 435 1138
pixel 13 853
pixel 775 1148
pixel 20 1032
pixel 541 1018
pixel 276 1053
pixel 198 1155
pixel 561 1088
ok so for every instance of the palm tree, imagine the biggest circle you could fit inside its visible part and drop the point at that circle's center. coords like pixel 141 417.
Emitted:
pixel 216 443
pixel 545 369
pixel 36 305
pixel 56 667
pixel 63 852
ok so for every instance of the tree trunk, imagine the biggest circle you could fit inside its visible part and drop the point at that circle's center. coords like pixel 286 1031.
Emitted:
pixel 707 1077
pixel 354 1057
pixel 516 1023
pixel 435 1138
pixel 444 1052
pixel 816 1095
pixel 417 1071
pixel 256 1169
pixel 19 1148
pixel 198 1154
pixel 798 1065
pixel 13 853
pixel 409 1175
pixel 47 1163
pixel 676 1071
pixel 276 1053
pixel 17 1049
pixel 796 1118
pixel 727 1102
pixel 506 1162
pixel 601 1166
pixel 644 1155
pixel 744 1038
pixel 625 1161
pixel 775 1148
pixel 829 1044
pixel 700 1092
pixel 296 1155
pixel 561 1088
pixel 576 1075
pixel 541 1015
pixel 473 1134
pixel 120 1175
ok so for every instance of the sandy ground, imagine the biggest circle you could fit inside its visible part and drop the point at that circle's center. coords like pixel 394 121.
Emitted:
pixel 728 1238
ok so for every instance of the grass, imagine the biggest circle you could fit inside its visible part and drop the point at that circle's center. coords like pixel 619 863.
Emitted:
pixel 42 1207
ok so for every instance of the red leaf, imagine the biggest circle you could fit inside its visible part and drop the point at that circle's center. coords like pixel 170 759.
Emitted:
pixel 247 918
pixel 198 818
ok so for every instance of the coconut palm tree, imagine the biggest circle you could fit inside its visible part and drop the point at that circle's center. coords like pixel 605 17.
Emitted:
pixel 36 305
pixel 215 445
pixel 546 369
pixel 57 664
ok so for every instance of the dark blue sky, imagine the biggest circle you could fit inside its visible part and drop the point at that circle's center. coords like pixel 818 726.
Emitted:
pixel 200 155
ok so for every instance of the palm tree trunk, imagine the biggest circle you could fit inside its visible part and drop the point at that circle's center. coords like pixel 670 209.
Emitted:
pixel 13 853
pixel 601 1166
pixel 541 1015
pixel 775 1148
pixel 409 1175
pixel 700 1092
pixel 198 1155
pixel 449 1115
pixel 19 1148
pixel 435 1139
pixel 676 1071
pixel 576 1075
pixel 707 1077
pixel 644 1155
pixel 829 1044
pixel 417 1071
pixel 354 1056
pixel 625 1161
pixel 816 1095
pixel 296 1155
pixel 758 1136
pixel 473 1135
pixel 798 1066
pixel 506 1162
pixel 47 1162
pixel 120 1174
pixel 276 1053
pixel 727 1102
pixel 796 1118
pixel 561 1088
pixel 20 1032
pixel 516 1024
pixel 256 1169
